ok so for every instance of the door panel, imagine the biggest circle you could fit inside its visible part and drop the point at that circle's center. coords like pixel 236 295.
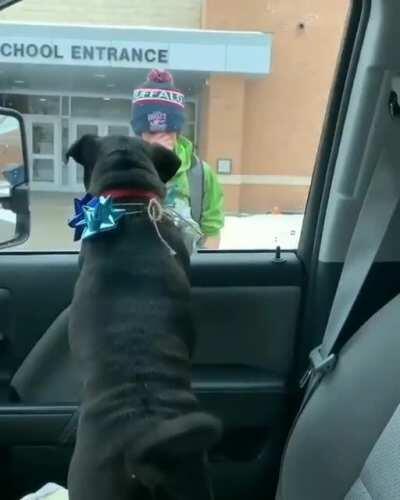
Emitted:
pixel 245 325
pixel 245 309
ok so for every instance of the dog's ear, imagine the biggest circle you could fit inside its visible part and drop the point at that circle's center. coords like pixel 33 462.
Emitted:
pixel 84 152
pixel 166 161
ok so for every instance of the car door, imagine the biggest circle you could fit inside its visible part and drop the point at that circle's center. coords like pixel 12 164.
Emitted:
pixel 246 310
pixel 249 307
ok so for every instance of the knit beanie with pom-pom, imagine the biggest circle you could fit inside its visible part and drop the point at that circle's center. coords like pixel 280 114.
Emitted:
pixel 157 106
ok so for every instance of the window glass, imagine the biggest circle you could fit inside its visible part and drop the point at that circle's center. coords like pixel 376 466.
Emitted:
pixel 43 170
pixel 43 138
pixel 256 84
pixel 65 102
pixel 65 145
pixel 118 130
pixel 190 112
pixel 33 104
pixel 83 129
pixel 102 108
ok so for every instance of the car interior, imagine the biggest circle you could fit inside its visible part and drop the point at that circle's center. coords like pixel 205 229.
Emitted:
pixel 259 314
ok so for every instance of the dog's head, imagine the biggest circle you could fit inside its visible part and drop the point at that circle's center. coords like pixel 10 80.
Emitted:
pixel 116 162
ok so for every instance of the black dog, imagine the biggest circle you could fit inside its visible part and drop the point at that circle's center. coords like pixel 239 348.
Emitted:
pixel 131 331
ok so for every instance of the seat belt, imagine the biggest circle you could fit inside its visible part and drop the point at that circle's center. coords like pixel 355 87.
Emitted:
pixel 376 213
pixel 196 186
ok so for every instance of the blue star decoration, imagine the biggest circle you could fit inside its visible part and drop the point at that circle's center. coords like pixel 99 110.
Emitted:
pixel 102 217
pixel 98 216
pixel 77 222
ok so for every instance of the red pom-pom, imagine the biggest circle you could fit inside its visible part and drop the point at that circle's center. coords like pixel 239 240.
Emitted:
pixel 160 76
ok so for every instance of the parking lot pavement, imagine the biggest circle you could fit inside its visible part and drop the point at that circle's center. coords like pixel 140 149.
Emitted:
pixel 50 232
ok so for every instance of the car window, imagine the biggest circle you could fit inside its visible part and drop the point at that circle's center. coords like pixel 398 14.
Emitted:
pixel 255 84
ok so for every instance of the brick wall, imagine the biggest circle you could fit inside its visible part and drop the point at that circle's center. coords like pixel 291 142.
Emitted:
pixel 163 13
pixel 283 113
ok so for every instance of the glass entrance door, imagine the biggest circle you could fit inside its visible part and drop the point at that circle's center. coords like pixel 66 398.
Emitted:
pixel 81 127
pixel 44 142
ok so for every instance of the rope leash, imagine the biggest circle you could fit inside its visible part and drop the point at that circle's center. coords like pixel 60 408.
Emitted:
pixel 96 215
pixel 155 212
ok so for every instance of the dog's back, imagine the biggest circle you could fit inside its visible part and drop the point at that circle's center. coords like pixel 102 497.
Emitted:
pixel 132 334
pixel 130 294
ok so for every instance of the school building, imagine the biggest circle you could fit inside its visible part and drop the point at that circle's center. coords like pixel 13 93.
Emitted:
pixel 256 75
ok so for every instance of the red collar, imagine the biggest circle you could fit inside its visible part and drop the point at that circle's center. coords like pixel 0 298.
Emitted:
pixel 129 194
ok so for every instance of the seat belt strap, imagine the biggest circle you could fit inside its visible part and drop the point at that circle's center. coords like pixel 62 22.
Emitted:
pixel 196 186
pixel 376 213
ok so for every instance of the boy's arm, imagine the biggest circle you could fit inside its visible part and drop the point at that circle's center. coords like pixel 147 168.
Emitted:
pixel 212 219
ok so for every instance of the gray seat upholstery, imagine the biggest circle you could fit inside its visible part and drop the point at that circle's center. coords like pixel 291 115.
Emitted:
pixel 47 374
pixel 346 443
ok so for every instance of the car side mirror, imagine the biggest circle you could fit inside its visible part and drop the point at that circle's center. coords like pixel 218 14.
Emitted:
pixel 14 180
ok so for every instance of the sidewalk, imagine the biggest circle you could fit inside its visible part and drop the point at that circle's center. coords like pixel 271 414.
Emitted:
pixel 49 230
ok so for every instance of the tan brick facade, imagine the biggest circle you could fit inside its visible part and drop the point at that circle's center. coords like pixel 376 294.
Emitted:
pixel 223 120
pixel 162 13
pixel 283 113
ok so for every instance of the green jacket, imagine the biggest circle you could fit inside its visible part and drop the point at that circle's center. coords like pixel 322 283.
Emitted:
pixel 212 220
